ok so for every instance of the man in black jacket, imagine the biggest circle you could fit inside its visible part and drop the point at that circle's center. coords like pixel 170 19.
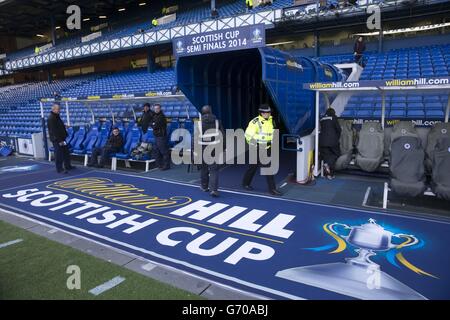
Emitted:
pixel 210 133
pixel 161 152
pixel 58 134
pixel 113 145
pixel 358 50
pixel 147 117
pixel 330 133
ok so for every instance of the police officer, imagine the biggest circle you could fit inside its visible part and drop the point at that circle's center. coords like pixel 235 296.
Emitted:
pixel 210 133
pixel 330 133
pixel 259 133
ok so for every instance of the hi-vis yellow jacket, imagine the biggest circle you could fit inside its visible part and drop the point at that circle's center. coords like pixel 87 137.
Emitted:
pixel 249 3
pixel 260 131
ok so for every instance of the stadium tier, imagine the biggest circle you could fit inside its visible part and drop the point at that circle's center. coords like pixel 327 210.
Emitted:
pixel 238 149
pixel 408 63
pixel 20 107
pixel 20 102
pixel 196 14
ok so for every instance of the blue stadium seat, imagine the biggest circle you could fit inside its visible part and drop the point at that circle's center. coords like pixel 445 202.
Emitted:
pixel 88 143
pixel 78 139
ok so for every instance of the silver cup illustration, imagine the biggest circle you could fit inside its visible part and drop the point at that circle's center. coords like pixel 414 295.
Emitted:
pixel 355 277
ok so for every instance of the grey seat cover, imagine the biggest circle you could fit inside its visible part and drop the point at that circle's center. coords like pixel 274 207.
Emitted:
pixel 407 166
pixel 439 130
pixel 441 168
pixel 402 128
pixel 346 144
pixel 370 146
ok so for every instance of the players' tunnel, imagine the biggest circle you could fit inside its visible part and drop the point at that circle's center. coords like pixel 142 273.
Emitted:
pixel 235 83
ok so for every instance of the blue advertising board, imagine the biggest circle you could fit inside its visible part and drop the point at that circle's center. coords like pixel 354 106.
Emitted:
pixel 246 37
pixel 277 248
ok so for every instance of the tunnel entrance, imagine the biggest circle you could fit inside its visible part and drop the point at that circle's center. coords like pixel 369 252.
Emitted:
pixel 231 82
pixel 235 83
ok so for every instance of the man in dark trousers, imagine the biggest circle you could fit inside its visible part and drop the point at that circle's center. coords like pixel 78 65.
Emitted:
pixel 330 133
pixel 259 133
pixel 358 50
pixel 113 145
pixel 161 152
pixel 58 134
pixel 210 133
pixel 146 119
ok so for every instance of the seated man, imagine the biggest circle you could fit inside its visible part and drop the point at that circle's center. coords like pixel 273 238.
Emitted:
pixel 113 145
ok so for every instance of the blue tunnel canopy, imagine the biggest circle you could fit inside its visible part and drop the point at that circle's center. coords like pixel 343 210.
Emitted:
pixel 235 83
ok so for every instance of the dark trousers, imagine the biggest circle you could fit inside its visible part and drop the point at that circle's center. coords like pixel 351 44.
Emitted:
pixel 103 153
pixel 329 156
pixel 62 155
pixel 250 173
pixel 209 174
pixel 161 152
pixel 359 59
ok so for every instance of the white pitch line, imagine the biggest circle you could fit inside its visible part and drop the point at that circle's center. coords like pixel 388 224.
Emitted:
pixel 149 266
pixel 107 285
pixel 9 243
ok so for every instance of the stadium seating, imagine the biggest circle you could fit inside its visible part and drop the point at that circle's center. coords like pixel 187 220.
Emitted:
pixel 20 107
pixel 432 61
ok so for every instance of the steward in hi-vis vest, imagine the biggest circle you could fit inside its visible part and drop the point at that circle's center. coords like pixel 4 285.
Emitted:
pixel 259 133
pixel 210 133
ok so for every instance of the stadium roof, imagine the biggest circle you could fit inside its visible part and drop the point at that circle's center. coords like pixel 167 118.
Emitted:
pixel 26 17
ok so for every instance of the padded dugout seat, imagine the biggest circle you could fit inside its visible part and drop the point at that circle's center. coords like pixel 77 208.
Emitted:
pixel 401 128
pixel 439 130
pixel 441 168
pixel 88 143
pixel 346 144
pixel 370 147
pixel 407 165
pixel 78 139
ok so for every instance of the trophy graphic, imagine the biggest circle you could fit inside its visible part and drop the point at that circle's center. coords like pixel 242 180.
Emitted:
pixel 358 277
pixel 180 46
pixel 257 35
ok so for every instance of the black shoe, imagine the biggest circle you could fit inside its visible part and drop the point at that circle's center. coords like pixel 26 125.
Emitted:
pixel 100 166
pixel 204 189
pixel 275 192
pixel 71 168
pixel 247 187
pixel 214 194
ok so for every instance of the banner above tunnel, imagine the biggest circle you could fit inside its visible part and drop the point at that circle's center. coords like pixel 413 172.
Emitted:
pixel 246 37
